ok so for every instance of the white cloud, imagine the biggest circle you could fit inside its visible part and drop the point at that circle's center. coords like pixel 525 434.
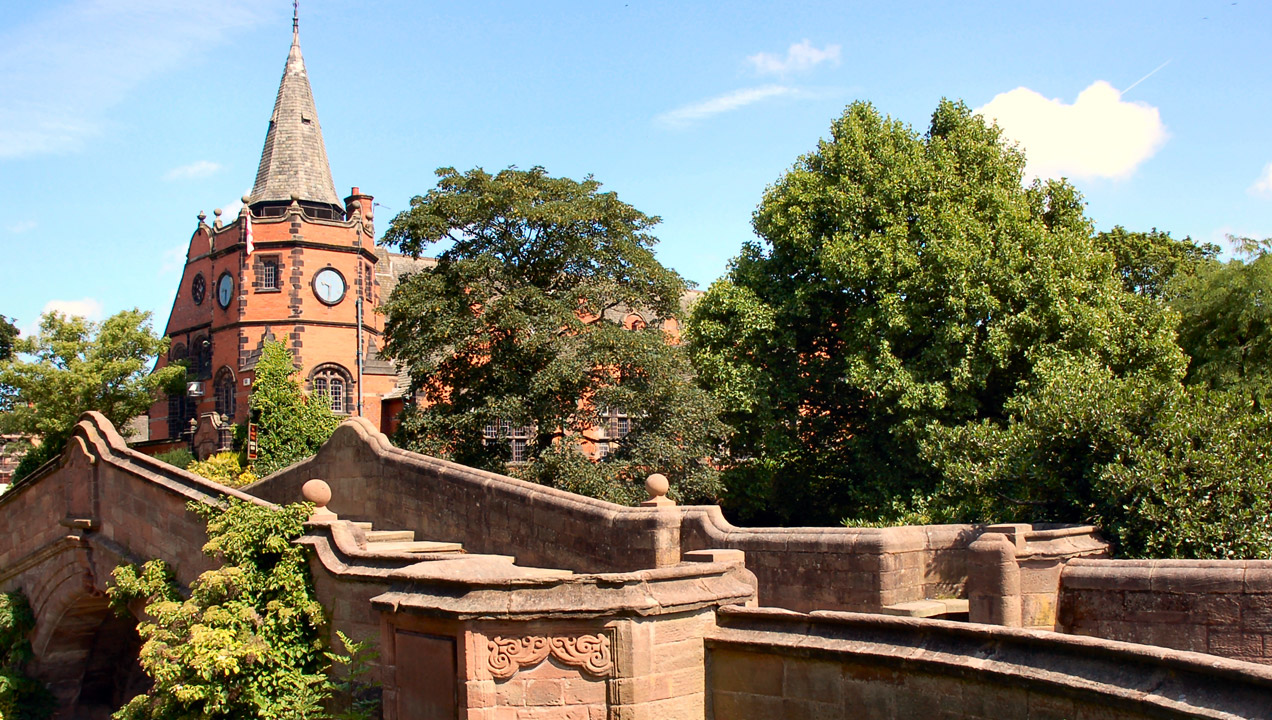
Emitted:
pixel 1263 184
pixel 66 66
pixel 86 308
pixel 800 56
pixel 1098 136
pixel 22 226
pixel 689 114
pixel 194 170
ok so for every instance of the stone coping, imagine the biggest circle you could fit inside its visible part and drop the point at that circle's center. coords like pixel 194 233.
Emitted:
pixel 1118 674
pixel 1249 577
pixel 467 586
pixel 98 440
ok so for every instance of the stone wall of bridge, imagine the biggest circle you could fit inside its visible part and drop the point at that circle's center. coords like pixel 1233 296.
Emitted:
pixel 1220 607
pixel 858 569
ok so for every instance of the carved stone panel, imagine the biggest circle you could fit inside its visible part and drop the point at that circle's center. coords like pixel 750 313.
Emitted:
pixel 590 653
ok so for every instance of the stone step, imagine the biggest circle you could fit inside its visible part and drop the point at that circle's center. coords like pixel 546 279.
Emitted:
pixel 362 524
pixel 416 546
pixel 381 536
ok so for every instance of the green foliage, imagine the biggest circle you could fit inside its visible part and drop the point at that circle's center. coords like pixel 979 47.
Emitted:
pixel 905 282
pixel 1226 323
pixel 1148 261
pixel 180 457
pixel 224 468
pixel 521 322
pixel 21 697
pixel 247 642
pixel 357 695
pixel 290 425
pixel 1166 471
pixel 77 366
pixel 8 335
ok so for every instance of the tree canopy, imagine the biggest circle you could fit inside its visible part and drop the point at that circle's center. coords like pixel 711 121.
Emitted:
pixel 290 425
pixel 907 282
pixel 8 334
pixel 74 366
pixel 1226 322
pixel 516 340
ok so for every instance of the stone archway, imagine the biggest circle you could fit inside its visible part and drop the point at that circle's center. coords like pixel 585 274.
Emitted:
pixel 87 656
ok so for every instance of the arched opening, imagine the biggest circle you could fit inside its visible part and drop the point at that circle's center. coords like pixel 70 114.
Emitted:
pixel 89 659
pixel 224 391
pixel 334 382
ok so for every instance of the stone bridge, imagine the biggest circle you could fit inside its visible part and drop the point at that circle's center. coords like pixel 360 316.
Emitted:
pixel 494 599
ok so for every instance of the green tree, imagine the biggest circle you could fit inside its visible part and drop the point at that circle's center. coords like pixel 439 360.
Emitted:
pixel 1226 323
pixel 8 335
pixel 21 696
pixel 75 366
pixel 290 425
pixel 1167 471
pixel 247 642
pixel 1149 261
pixel 520 325
pixel 904 282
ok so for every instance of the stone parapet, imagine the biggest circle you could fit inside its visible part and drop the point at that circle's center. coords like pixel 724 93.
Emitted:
pixel 1220 607
pixel 772 663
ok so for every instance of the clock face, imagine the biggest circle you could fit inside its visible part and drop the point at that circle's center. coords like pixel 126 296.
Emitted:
pixel 329 285
pixel 225 290
pixel 198 289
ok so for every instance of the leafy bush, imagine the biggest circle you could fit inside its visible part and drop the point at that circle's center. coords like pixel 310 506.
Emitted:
pixel 21 697
pixel 224 468
pixel 248 642
pixel 180 457
pixel 290 425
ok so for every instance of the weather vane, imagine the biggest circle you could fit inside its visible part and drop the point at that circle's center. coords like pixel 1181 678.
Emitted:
pixel 295 16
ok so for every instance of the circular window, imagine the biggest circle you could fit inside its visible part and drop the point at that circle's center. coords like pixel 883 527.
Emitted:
pixel 198 288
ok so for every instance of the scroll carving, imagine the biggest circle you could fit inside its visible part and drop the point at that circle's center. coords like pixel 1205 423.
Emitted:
pixel 590 653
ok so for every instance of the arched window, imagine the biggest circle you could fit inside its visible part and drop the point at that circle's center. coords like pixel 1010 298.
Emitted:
pixel 201 349
pixel 224 391
pixel 333 381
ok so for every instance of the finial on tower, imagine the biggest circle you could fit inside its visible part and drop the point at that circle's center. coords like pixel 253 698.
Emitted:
pixel 295 17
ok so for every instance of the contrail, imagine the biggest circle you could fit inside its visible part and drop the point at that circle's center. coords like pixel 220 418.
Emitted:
pixel 1137 82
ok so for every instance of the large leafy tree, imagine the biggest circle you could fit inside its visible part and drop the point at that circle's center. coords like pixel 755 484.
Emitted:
pixel 520 325
pixel 905 282
pixel 8 334
pixel 1226 323
pixel 71 366
pixel 290 425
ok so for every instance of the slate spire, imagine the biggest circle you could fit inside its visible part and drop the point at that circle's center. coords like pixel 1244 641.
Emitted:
pixel 294 159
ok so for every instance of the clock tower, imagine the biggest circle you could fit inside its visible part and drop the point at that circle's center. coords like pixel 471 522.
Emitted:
pixel 297 264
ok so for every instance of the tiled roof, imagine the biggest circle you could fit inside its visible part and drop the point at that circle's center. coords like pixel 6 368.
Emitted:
pixel 294 160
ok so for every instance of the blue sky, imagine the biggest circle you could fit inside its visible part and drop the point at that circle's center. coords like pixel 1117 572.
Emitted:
pixel 121 120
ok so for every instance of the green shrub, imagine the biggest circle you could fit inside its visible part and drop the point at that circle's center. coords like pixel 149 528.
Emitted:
pixel 21 697
pixel 180 457
pixel 225 468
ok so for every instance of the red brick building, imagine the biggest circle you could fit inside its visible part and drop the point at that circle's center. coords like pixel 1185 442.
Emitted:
pixel 298 264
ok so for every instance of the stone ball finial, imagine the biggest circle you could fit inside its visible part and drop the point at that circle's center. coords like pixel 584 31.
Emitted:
pixel 657 486
pixel 216 212
pixel 318 492
pixel 246 199
pixel 295 197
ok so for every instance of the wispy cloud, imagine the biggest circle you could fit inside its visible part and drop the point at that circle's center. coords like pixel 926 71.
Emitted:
pixel 88 308
pixel 200 169
pixel 1099 135
pixel 689 114
pixel 22 226
pixel 800 56
pixel 62 70
pixel 1263 184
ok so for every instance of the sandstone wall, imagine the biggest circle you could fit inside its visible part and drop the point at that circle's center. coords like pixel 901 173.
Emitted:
pixel 1221 607
pixel 797 568
pixel 772 664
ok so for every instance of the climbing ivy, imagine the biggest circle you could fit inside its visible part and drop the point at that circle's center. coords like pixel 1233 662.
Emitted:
pixel 248 641
pixel 21 697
